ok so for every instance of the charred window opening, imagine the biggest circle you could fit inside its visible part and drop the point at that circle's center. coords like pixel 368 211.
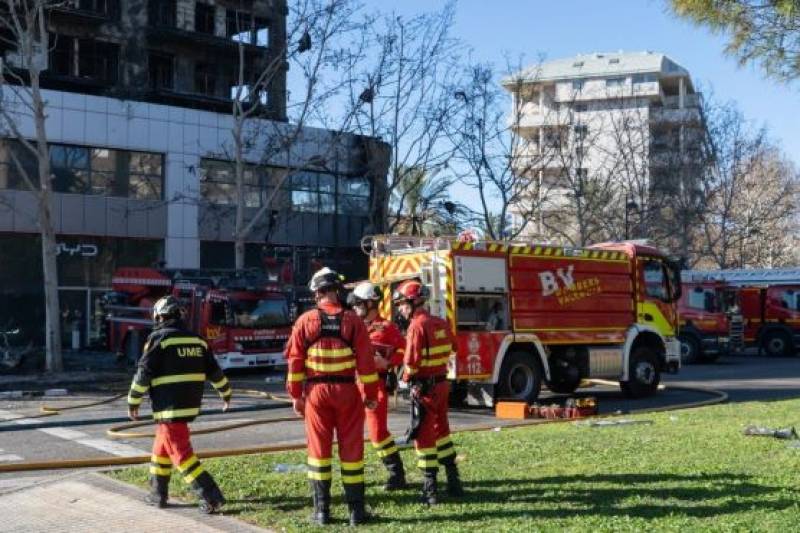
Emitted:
pixel 162 71
pixel 162 13
pixel 205 79
pixel 98 60
pixel 62 55
pixel 204 18
pixel 109 8
pixel 245 28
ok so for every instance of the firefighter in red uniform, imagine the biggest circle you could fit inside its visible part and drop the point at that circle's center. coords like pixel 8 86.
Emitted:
pixel 389 346
pixel 429 343
pixel 173 368
pixel 328 347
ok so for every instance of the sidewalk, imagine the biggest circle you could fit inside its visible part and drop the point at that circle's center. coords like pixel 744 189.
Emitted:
pixel 81 369
pixel 92 502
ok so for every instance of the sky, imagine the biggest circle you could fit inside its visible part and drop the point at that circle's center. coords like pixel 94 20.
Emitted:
pixel 563 28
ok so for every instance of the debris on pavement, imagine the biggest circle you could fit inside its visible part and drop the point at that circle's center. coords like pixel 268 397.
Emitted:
pixel 788 433
pixel 618 422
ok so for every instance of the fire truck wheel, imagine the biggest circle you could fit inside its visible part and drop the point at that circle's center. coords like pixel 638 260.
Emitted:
pixel 520 377
pixel 777 344
pixel 643 374
pixel 690 349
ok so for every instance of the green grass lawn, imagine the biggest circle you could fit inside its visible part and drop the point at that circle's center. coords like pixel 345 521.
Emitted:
pixel 690 470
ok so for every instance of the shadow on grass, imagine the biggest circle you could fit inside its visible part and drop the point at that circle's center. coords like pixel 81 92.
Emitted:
pixel 701 496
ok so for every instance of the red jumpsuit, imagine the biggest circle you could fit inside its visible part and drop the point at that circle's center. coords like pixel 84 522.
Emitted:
pixel 389 343
pixel 328 347
pixel 429 343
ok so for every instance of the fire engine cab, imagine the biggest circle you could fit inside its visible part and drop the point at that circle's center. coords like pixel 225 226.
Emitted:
pixel 243 315
pixel 529 314
pixel 769 300
pixel 710 321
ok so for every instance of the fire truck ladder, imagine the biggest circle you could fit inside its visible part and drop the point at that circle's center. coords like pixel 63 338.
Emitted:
pixel 745 276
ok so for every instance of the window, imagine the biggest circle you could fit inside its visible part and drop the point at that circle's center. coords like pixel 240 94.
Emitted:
pixel 161 71
pixel 205 79
pixel 577 64
pixel 162 13
pixel 580 108
pixel 62 55
pixel 70 167
pixel 10 175
pixel 577 85
pixel 705 300
pixel 145 176
pixel 615 82
pixel 613 61
pixel 204 18
pixel 218 183
pixel 581 131
pixel 244 28
pixel 109 8
pixel 354 196
pixel 644 78
pixel 655 282
pixel 790 299
pixel 98 60
pixel 314 192
pixel 244 94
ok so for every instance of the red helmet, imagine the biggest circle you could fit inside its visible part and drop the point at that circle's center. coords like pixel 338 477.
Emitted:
pixel 411 291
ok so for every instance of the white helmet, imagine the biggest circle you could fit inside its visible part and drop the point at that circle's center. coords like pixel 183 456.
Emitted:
pixel 325 278
pixel 368 291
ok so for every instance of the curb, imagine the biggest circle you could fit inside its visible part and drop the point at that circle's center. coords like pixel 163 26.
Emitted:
pixel 20 394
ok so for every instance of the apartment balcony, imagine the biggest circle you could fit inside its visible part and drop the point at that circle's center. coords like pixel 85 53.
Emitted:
pixel 534 116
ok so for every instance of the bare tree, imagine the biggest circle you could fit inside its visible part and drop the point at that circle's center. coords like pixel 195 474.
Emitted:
pixel 398 91
pixel 318 39
pixel 753 194
pixel 495 155
pixel 23 29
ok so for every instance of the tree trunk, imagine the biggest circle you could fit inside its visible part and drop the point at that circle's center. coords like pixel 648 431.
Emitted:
pixel 53 360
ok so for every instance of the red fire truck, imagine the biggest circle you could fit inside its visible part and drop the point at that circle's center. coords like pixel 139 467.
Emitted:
pixel 770 307
pixel 710 323
pixel 528 314
pixel 243 315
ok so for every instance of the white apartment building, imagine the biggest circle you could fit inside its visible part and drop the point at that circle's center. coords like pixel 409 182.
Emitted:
pixel 622 116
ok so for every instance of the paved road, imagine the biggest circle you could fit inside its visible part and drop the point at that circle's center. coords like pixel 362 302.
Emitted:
pixel 81 433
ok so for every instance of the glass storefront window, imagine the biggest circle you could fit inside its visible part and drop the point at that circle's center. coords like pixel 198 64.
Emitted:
pixel 218 183
pixel 83 170
pixel 354 196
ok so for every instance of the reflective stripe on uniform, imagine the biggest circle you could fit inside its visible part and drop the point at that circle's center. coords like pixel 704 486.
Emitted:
pixel 178 378
pixel 386 447
pixel 161 459
pixel 434 362
pixel 219 384
pixel 427 458
pixel 330 367
pixel 191 476
pixel 294 377
pixel 352 472
pixel 176 413
pixel 188 462
pixel 133 400
pixel 445 448
pixel 329 353
pixel 183 341
pixel 139 388
pixel 368 378
pixel 436 350
pixel 319 469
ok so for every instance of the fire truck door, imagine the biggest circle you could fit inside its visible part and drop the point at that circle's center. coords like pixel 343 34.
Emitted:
pixel 654 306
pixel 434 276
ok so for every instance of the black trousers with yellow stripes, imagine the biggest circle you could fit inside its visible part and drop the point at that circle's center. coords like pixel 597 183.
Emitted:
pixel 172 446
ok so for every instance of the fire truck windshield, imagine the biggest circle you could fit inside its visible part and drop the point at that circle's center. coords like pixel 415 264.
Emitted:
pixel 261 314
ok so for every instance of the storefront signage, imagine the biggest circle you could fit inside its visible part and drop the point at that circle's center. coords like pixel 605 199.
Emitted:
pixel 81 250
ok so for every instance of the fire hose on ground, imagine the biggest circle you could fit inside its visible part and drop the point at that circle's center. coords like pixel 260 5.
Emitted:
pixel 121 431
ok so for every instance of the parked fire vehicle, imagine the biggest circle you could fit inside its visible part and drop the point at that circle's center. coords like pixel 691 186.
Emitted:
pixel 528 314
pixel 770 306
pixel 244 316
pixel 709 317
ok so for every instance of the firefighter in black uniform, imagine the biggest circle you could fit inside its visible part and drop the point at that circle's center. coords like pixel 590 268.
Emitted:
pixel 173 368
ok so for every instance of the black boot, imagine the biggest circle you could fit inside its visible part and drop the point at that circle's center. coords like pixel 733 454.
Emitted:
pixel 159 491
pixel 354 495
pixel 211 498
pixel 397 474
pixel 429 489
pixel 321 494
pixel 454 487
